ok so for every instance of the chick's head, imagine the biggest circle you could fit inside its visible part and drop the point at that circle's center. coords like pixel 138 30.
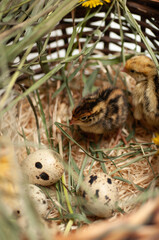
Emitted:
pixel 140 68
pixel 88 112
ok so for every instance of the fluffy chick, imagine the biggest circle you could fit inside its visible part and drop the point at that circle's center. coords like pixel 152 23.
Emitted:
pixel 101 112
pixel 145 97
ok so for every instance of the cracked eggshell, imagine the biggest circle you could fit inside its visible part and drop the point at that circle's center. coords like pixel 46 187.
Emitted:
pixel 43 167
pixel 38 198
pixel 100 193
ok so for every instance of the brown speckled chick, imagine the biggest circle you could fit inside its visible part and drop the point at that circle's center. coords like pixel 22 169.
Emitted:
pixel 101 112
pixel 145 96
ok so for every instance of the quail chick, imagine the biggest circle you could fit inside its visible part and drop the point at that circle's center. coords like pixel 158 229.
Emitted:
pixel 101 112
pixel 145 97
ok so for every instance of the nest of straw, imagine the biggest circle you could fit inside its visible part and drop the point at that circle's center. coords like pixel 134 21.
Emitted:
pixel 134 166
pixel 36 113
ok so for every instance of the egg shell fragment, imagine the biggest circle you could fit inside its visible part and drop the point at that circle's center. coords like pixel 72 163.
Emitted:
pixel 100 194
pixel 43 167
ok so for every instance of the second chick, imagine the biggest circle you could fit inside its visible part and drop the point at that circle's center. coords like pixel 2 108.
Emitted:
pixel 145 96
pixel 101 112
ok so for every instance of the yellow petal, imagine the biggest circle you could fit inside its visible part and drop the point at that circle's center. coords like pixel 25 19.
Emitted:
pixel 156 139
pixel 93 3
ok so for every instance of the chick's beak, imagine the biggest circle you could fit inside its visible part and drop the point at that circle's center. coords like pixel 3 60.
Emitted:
pixel 74 121
pixel 71 122
pixel 123 70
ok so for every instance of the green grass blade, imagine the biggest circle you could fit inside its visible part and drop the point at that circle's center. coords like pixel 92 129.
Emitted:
pixel 35 86
pixel 136 26
pixel 89 83
pixel 69 137
pixel 41 29
pixel 80 179
pixel 35 114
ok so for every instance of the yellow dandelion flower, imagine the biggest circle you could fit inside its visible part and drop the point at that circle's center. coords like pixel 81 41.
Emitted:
pixel 6 173
pixel 9 173
pixel 156 139
pixel 5 166
pixel 93 3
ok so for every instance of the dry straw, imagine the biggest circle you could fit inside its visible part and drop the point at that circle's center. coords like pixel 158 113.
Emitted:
pixel 38 92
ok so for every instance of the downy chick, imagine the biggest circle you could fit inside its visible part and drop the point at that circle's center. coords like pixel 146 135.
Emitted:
pixel 101 112
pixel 145 96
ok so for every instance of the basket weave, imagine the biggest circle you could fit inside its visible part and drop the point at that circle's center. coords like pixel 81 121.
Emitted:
pixel 142 224
pixel 148 18
pixel 146 13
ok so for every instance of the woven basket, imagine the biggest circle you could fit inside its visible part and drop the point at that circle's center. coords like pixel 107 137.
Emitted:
pixel 145 12
pixel 144 224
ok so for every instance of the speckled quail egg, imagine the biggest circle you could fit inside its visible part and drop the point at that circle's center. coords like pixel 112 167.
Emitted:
pixel 100 194
pixel 43 167
pixel 38 198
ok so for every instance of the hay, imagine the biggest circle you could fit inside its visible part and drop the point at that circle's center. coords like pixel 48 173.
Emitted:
pixel 139 174
pixel 46 56
pixel 138 225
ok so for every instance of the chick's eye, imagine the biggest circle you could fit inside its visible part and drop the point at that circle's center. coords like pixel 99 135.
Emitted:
pixel 83 118
pixel 132 71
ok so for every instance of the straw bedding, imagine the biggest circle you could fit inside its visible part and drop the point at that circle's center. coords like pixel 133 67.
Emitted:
pixel 21 120
pixel 133 166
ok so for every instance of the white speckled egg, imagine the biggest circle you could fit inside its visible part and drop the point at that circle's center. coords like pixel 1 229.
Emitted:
pixel 38 198
pixel 43 167
pixel 100 194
